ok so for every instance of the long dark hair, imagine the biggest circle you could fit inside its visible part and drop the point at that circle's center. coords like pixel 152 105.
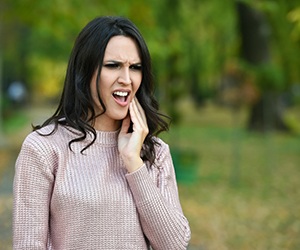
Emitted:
pixel 75 108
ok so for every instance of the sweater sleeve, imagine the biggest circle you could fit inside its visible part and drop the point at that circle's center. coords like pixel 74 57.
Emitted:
pixel 158 204
pixel 32 189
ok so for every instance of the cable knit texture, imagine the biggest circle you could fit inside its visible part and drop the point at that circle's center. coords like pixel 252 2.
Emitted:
pixel 67 200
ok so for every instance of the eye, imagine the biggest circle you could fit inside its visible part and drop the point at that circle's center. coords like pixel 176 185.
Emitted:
pixel 112 65
pixel 136 66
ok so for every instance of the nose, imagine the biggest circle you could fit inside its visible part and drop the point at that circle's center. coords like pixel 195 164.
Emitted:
pixel 124 77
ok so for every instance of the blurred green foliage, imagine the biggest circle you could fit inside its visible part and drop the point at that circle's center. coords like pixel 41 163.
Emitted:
pixel 191 42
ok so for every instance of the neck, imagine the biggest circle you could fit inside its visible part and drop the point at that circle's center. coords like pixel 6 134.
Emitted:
pixel 105 125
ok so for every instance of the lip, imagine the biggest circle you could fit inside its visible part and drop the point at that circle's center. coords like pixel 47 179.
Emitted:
pixel 119 102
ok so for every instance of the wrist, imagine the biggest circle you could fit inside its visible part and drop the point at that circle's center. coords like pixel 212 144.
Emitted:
pixel 133 164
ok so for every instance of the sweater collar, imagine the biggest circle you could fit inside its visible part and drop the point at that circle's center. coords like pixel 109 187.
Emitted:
pixel 109 138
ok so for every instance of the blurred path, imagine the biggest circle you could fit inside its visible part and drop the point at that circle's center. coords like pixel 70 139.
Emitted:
pixel 8 154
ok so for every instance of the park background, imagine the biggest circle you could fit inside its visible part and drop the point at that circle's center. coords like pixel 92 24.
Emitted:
pixel 227 72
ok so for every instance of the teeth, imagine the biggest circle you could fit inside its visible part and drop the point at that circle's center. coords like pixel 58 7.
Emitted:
pixel 119 93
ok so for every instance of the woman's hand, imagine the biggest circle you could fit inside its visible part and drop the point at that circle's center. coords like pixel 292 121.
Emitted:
pixel 130 143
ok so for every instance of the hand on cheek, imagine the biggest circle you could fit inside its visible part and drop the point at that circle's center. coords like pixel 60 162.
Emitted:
pixel 130 143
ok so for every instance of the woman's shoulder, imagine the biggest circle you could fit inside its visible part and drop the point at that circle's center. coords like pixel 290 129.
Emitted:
pixel 163 158
pixel 36 135
pixel 161 148
pixel 47 136
pixel 160 144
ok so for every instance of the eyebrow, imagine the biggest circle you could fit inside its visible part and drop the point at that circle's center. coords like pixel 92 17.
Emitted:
pixel 120 62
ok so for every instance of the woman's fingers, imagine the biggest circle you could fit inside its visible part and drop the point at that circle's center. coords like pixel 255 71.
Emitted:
pixel 138 116
pixel 141 110
pixel 125 124
pixel 130 143
pixel 135 114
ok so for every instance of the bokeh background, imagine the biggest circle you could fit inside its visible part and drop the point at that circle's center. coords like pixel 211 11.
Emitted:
pixel 227 72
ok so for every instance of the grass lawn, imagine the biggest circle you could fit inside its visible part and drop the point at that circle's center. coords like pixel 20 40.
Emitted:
pixel 247 191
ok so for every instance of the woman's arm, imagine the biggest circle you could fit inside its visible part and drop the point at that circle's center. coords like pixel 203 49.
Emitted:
pixel 32 190
pixel 158 204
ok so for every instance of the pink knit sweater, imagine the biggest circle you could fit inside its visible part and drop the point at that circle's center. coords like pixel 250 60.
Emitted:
pixel 68 200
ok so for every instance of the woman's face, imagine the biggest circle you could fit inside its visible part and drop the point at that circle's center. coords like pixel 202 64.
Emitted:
pixel 120 78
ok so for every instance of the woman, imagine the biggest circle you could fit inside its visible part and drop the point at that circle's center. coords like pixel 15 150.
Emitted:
pixel 94 175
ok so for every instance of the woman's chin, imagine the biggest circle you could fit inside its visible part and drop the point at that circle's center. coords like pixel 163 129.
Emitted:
pixel 121 116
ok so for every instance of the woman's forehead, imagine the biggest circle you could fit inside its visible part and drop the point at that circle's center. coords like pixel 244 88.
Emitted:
pixel 122 48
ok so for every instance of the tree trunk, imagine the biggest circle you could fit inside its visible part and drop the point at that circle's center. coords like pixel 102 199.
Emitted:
pixel 254 32
pixel 266 113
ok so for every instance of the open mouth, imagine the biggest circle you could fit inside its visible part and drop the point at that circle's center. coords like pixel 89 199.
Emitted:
pixel 121 96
